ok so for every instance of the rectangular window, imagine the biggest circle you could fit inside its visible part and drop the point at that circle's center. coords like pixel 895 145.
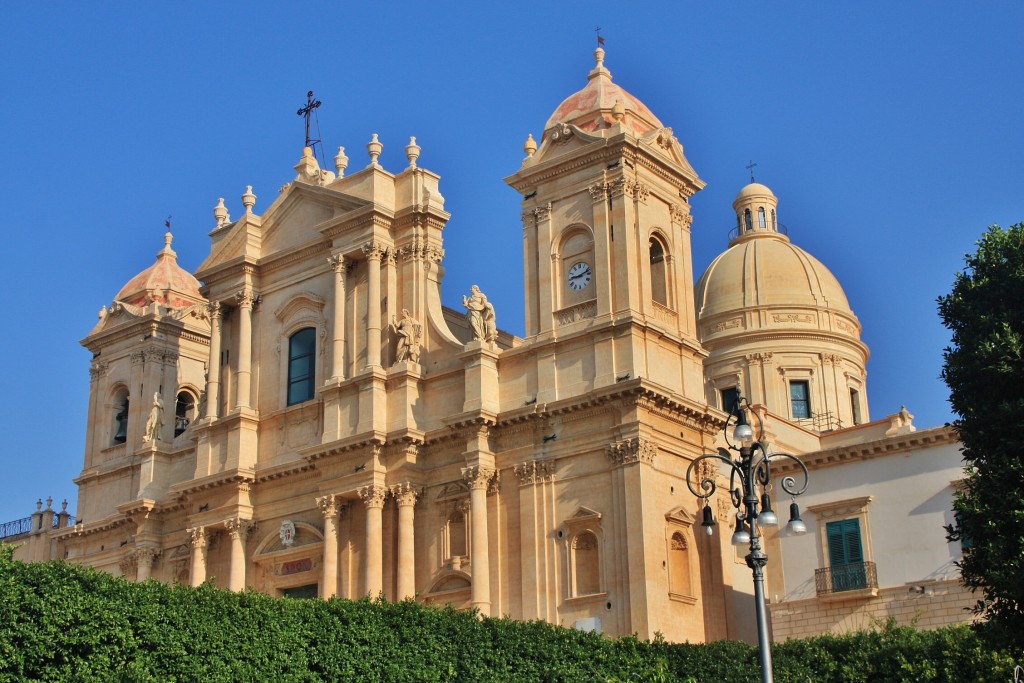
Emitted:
pixel 846 555
pixel 855 405
pixel 800 399
pixel 729 397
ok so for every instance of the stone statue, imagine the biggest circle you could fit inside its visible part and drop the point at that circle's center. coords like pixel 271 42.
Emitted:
pixel 480 314
pixel 155 423
pixel 906 419
pixel 408 333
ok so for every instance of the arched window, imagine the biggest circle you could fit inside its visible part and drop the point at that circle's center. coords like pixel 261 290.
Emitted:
pixel 659 272
pixel 761 223
pixel 679 565
pixel 457 534
pixel 301 365
pixel 748 220
pixel 586 564
pixel 120 426
pixel 184 412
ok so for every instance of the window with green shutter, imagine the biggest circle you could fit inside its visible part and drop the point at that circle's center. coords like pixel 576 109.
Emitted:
pixel 846 555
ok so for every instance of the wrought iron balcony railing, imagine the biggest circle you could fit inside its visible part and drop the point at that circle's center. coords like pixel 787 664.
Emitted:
pixel 845 577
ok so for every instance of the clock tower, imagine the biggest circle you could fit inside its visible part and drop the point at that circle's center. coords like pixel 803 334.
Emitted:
pixel 606 233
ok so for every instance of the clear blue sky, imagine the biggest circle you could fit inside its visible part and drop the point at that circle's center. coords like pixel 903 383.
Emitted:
pixel 890 131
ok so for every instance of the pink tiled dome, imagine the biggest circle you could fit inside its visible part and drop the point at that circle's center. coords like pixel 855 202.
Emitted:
pixel 164 282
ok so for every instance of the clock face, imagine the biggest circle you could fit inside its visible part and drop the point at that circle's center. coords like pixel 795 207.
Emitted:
pixel 580 275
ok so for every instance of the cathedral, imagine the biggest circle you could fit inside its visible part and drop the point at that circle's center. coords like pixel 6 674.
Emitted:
pixel 304 417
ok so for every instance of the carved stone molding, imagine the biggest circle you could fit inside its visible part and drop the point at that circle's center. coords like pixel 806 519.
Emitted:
pixel 373 496
pixel 128 564
pixel 561 133
pixel 831 358
pixel 571 314
pixel 792 318
pixel 542 213
pixel 617 188
pixel 679 212
pixel 726 325
pixel 706 469
pixel 759 358
pixel 632 450
pixel 138 357
pixel 534 472
pixel 214 309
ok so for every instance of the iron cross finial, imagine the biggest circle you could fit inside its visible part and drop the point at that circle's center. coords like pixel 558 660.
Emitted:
pixel 307 111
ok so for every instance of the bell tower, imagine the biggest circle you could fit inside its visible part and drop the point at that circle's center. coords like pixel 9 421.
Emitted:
pixel 606 230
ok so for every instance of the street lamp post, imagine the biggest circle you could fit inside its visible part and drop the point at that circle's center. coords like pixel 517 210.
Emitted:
pixel 750 487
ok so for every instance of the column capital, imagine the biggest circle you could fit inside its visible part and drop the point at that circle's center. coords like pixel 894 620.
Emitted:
pixel 246 298
pixel 405 494
pixel 197 536
pixel 373 496
pixel 374 250
pixel 632 450
pixel 534 471
pixel 214 308
pixel 331 505
pixel 147 554
pixel 338 264
pixel 239 528
pixel 478 476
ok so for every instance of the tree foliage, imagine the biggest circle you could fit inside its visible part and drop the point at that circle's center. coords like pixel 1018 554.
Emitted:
pixel 62 622
pixel 984 368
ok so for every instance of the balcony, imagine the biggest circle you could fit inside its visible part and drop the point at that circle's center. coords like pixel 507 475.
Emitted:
pixel 846 582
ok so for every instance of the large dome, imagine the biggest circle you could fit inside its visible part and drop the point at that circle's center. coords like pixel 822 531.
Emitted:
pixel 765 282
pixel 164 282
pixel 592 108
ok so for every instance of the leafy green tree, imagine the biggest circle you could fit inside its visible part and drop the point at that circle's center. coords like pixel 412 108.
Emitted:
pixel 984 369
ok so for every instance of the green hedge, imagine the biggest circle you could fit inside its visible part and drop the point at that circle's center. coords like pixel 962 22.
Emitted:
pixel 60 622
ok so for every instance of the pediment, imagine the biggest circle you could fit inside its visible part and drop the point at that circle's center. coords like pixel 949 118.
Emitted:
pixel 455 489
pixel 680 515
pixel 563 139
pixel 664 143
pixel 300 212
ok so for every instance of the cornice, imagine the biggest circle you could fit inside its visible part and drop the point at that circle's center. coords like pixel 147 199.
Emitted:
pixel 890 445
pixel 213 481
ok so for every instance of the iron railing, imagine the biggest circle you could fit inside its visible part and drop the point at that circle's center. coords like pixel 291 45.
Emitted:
pixel 24 525
pixel 845 577
pixel 16 528
pixel 738 231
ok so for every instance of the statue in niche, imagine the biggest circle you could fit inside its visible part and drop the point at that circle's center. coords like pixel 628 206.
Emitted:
pixel 408 332
pixel 155 423
pixel 480 314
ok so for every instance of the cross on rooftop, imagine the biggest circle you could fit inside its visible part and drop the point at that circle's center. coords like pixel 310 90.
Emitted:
pixel 750 167
pixel 307 111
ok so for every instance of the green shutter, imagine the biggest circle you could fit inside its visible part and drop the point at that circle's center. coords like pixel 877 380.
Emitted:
pixel 844 545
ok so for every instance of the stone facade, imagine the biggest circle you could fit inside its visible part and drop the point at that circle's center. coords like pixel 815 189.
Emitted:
pixel 312 421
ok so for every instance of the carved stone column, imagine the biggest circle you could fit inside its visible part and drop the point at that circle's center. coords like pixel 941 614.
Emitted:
pixel 198 540
pixel 330 507
pixel 338 264
pixel 478 479
pixel 374 252
pixel 405 496
pixel 213 369
pixel 373 498
pixel 239 530
pixel 144 562
pixel 245 299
